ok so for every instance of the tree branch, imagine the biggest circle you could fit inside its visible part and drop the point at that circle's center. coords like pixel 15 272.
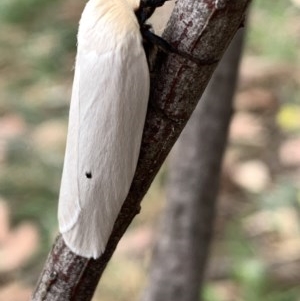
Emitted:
pixel 181 252
pixel 203 29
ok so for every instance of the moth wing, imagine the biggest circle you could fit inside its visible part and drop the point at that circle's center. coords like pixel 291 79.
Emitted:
pixel 107 115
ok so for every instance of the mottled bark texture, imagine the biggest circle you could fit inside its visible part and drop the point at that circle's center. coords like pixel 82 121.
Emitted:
pixel 203 29
pixel 181 252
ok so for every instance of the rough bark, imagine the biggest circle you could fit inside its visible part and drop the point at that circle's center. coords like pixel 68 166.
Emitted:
pixel 202 28
pixel 182 248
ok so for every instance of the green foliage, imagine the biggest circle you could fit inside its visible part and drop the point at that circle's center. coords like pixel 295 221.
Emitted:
pixel 25 12
pixel 37 47
pixel 269 27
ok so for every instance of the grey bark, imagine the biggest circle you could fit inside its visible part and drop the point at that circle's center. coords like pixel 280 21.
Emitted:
pixel 182 247
pixel 202 28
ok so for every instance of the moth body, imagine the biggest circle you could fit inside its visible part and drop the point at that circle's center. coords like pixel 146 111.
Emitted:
pixel 107 114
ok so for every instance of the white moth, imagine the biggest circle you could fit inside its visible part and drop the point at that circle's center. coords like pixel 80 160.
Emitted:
pixel 107 114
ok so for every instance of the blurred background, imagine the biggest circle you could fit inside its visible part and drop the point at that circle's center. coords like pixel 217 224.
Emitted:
pixel 256 253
